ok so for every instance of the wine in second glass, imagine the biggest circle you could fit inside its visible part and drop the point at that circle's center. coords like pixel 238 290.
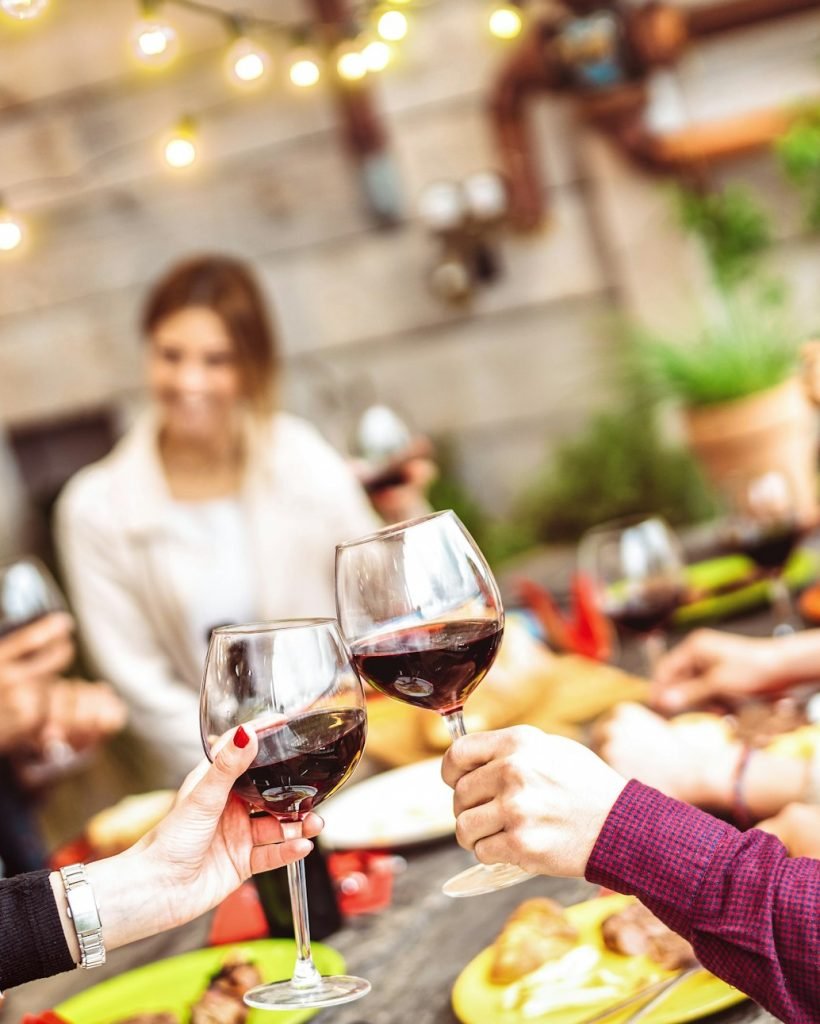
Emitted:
pixel 637 569
pixel 422 614
pixel 293 684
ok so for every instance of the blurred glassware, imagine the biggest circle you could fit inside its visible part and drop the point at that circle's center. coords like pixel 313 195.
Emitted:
pixel 763 521
pixel 636 568
pixel 28 592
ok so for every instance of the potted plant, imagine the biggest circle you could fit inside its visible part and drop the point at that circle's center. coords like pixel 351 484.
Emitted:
pixel 745 409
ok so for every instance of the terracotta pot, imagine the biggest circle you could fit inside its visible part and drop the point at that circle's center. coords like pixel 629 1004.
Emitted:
pixel 772 430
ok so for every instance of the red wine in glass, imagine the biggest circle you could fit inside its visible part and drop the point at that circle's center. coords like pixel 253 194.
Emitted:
pixel 293 685
pixel 647 609
pixel 303 761
pixel 423 617
pixel 435 666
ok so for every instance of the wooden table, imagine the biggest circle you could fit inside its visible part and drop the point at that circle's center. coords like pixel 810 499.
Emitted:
pixel 411 953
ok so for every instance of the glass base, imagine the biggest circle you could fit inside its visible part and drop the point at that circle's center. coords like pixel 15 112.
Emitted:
pixel 284 995
pixel 483 878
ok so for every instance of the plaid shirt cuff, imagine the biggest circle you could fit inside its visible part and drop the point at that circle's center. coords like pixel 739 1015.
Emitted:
pixel 657 849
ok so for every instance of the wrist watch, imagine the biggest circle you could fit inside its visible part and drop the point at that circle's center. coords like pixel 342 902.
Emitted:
pixel 84 914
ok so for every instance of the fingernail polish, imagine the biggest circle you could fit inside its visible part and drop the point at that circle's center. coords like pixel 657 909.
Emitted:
pixel 240 738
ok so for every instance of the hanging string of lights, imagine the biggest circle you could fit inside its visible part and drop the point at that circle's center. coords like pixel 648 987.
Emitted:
pixel 376 27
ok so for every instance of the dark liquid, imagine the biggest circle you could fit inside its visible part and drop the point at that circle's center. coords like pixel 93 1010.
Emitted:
pixel 436 666
pixel 303 761
pixel 769 548
pixel 647 611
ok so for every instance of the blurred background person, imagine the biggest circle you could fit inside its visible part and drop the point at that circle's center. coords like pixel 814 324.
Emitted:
pixel 39 709
pixel 216 507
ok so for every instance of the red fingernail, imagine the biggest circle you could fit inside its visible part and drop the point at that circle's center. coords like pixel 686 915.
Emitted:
pixel 241 738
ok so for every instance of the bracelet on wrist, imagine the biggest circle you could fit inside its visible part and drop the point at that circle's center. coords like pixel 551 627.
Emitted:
pixel 741 813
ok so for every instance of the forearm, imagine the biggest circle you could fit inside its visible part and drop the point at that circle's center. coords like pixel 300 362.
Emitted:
pixel 134 898
pixel 751 914
pixel 767 784
pixel 797 659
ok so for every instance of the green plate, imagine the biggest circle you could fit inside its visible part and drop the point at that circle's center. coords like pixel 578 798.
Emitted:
pixel 174 985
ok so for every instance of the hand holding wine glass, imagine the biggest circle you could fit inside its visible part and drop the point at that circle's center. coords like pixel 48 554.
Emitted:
pixel 636 568
pixel 421 611
pixel 292 684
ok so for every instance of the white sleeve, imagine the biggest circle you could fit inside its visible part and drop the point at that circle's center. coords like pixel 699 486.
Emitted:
pixel 120 641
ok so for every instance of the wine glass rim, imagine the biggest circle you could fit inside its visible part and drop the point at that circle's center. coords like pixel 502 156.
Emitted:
pixel 275 625
pixel 395 528
pixel 624 522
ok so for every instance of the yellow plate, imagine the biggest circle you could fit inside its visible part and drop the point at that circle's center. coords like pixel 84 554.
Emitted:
pixel 477 1001
pixel 175 984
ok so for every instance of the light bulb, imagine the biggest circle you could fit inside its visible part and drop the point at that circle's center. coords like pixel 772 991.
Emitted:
pixel 180 147
pixel 392 26
pixel 11 231
pixel 505 22
pixel 351 65
pixel 377 55
pixel 247 61
pixel 154 42
pixel 304 70
pixel 22 10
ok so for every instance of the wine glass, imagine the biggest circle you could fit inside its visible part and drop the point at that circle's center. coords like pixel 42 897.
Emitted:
pixel 29 592
pixel 764 522
pixel 636 567
pixel 293 684
pixel 419 607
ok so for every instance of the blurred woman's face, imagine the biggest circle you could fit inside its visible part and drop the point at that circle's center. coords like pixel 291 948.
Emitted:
pixel 194 375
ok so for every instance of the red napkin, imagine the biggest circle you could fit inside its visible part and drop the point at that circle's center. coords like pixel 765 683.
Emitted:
pixel 585 630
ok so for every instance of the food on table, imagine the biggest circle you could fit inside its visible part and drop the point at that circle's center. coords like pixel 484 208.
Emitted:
pixel 536 931
pixel 635 931
pixel 116 828
pixel 514 683
pixel 221 1002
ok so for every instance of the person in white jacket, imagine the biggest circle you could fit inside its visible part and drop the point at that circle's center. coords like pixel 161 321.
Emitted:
pixel 215 508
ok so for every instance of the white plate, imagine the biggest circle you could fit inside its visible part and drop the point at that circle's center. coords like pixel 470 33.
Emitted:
pixel 397 808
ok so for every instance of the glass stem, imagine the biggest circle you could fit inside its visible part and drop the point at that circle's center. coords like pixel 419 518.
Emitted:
pixel 781 599
pixel 455 723
pixel 305 974
pixel 654 648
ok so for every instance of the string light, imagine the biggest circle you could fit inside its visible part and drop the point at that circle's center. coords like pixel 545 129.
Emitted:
pixel 505 22
pixel 377 55
pixel 11 230
pixel 153 40
pixel 392 26
pixel 180 148
pixel 23 10
pixel 351 64
pixel 304 69
pixel 247 61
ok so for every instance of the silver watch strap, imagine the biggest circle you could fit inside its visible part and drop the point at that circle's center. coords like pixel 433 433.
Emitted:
pixel 82 909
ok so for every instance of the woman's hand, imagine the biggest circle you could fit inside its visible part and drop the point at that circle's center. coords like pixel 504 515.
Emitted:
pixel 709 663
pixel 81 714
pixel 527 798
pixel 696 764
pixel 39 651
pixel 203 850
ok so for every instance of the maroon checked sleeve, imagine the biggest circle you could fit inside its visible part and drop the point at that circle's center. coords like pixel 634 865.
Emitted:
pixel 751 913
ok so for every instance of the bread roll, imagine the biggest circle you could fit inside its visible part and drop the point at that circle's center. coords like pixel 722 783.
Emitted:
pixel 536 931
pixel 120 826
